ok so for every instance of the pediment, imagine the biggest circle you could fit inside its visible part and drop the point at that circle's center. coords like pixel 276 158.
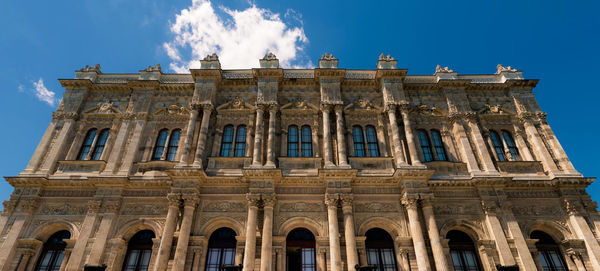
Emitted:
pixel 236 104
pixel 172 110
pixel 426 110
pixel 496 109
pixel 104 108
pixel 299 104
pixel 362 105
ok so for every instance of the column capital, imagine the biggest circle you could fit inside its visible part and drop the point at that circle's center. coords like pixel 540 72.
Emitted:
pixel 410 203
pixel 207 108
pixel 174 199
pixel 404 107
pixel 273 108
pixel 9 205
pixel 331 200
pixel 28 205
pixel 190 200
pixel 338 108
pixel 269 201
pixel 111 206
pixel 326 107
pixel 489 207
pixel 94 206
pixel 253 199
pixel 390 108
pixel 572 207
pixel 346 200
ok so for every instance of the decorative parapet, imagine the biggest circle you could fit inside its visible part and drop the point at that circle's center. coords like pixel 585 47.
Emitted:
pixel 151 73
pixel 210 62
pixel 386 62
pixel 328 61
pixel 270 61
pixel 444 73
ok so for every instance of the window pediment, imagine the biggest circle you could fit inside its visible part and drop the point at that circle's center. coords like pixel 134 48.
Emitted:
pixel 299 106
pixel 361 106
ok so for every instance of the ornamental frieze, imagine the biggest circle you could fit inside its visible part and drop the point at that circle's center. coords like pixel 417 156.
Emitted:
pixel 301 207
pixel 62 209
pixel 457 209
pixel 376 207
pixel 536 210
pixel 223 206
pixel 146 209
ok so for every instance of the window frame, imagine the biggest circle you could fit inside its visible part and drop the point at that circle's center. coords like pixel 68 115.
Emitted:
pixel 498 145
pixel 374 142
pixel 238 142
pixel 56 251
pixel 173 145
pixel 507 137
pixel 425 144
pixel 83 155
pixel 227 143
pixel 438 149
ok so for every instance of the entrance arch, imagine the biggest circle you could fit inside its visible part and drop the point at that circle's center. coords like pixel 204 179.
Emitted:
pixel 300 250
pixel 550 256
pixel 380 250
pixel 221 249
pixel 462 251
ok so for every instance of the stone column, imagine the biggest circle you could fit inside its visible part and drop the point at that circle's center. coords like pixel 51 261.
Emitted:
pixel 60 143
pixel 166 241
pixel 321 259
pixel 189 135
pixel 67 255
pixel 480 147
pixel 523 149
pixel 441 263
pixel 495 229
pixel 327 155
pixel 76 259
pixel 271 140
pixel 396 145
pixel 133 146
pixel 341 141
pixel 203 135
pixel 334 236
pixel 250 248
pixel 540 150
pixel 189 206
pixel 257 154
pixel 581 229
pixel 464 146
pixel 527 261
pixel 266 246
pixel 411 206
pixel 410 139
pixel 576 258
pixel 24 260
pixel 42 148
pixel 280 266
pixel 116 152
pixel 349 234
pixel 111 209
pixel 402 258
pixel 197 255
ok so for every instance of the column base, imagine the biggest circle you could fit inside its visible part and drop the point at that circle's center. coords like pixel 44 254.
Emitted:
pixel 329 165
pixel 186 166
pixel 269 165
pixel 255 166
pixel 344 166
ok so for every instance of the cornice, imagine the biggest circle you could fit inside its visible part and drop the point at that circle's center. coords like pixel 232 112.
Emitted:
pixel 329 73
pixel 264 72
pixel 391 73
pixel 143 84
pixel 75 83
pixel 214 74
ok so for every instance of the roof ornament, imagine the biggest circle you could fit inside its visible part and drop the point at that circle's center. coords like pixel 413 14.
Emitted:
pixel 270 56
pixel 154 68
pixel 87 68
pixel 439 68
pixel 383 57
pixel 328 56
pixel 500 68
pixel 212 57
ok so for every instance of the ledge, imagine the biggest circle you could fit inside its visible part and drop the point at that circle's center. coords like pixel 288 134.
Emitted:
pixel 520 167
pixel 444 168
pixel 158 165
pixel 80 166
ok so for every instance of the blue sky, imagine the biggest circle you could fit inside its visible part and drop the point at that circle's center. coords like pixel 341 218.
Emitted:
pixel 554 41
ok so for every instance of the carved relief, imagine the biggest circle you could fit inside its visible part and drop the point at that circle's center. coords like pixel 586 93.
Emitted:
pixel 62 209
pixel 376 207
pixel 301 207
pixel 223 206
pixel 146 209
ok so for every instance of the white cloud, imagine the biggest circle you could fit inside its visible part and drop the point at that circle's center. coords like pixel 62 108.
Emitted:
pixel 42 93
pixel 21 88
pixel 240 38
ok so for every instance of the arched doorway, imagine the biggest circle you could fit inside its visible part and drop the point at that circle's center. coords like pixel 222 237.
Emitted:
pixel 139 251
pixel 463 253
pixel 53 252
pixel 380 250
pixel 300 250
pixel 550 256
pixel 221 249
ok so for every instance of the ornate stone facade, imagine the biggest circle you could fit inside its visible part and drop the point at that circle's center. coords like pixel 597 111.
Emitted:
pixel 266 151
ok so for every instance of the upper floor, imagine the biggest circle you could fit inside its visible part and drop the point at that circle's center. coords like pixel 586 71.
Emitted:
pixel 375 122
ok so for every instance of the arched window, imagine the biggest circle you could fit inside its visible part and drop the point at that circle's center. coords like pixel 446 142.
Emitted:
pixel 372 145
pixel 380 250
pixel 87 144
pixel 462 251
pixel 359 141
pixel 161 141
pixel 549 253
pixel 438 145
pixel 425 146
pixel 173 144
pixel 227 141
pixel 512 147
pixel 240 141
pixel 53 252
pixel 139 251
pixel 221 249
pixel 300 250
pixel 100 143
pixel 306 140
pixel 292 141
pixel 497 144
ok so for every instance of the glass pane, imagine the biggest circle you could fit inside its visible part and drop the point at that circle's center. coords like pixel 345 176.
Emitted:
pixel 227 141
pixel 160 144
pixel 228 256
pixel 87 144
pixel 498 147
pixel 372 141
pixel 306 141
pixel 556 261
pixel 57 260
pixel 545 260
pixel 438 145
pixel 359 141
pixel 425 146
pixel 46 257
pixel 456 261
pixel 212 261
pixel 372 256
pixel 388 260
pixel 308 259
pixel 100 145
pixel 510 143
pixel 132 260
pixel 240 141
pixel 173 145
pixel 293 141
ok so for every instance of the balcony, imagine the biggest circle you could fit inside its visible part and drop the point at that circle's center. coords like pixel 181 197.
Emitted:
pixel 291 166
pixel 372 165
pixel 447 168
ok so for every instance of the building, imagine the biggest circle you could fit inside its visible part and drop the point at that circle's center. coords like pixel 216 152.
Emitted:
pixel 287 169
